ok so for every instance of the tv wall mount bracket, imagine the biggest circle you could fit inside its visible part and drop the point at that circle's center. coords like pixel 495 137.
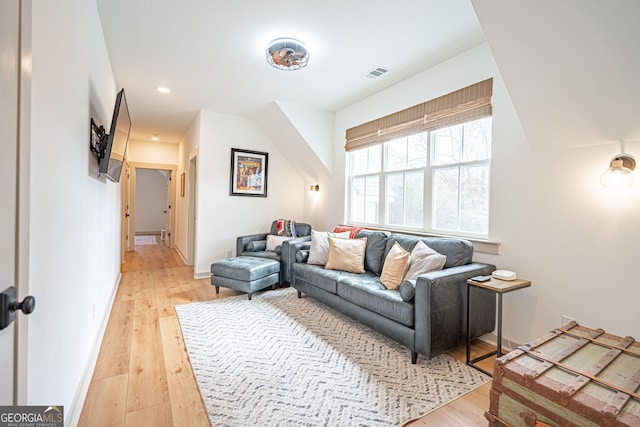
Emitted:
pixel 98 141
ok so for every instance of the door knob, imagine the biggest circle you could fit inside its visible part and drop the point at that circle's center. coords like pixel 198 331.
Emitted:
pixel 9 305
pixel 27 305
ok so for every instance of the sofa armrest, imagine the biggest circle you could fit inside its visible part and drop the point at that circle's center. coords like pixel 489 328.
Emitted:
pixel 242 241
pixel 441 311
pixel 288 256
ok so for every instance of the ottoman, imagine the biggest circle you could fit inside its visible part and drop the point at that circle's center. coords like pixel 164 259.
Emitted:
pixel 245 274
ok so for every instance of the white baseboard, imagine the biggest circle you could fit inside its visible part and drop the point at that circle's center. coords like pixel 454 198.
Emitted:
pixel 204 275
pixel 72 417
pixel 182 257
pixel 507 344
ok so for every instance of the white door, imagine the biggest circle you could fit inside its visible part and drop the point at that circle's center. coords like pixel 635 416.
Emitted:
pixel 9 63
pixel 127 239
pixel 167 225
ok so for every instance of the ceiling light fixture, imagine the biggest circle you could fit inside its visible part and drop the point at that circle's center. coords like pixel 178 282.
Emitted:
pixel 155 137
pixel 620 172
pixel 287 54
pixel 163 89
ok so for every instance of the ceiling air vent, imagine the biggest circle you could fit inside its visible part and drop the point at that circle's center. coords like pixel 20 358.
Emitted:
pixel 376 72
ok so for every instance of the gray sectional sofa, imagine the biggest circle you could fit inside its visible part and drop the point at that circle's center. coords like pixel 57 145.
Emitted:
pixel 428 316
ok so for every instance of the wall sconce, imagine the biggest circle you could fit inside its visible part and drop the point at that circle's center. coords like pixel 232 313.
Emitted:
pixel 620 172
pixel 315 188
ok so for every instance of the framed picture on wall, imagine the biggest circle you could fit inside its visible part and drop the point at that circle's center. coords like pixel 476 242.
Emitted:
pixel 248 173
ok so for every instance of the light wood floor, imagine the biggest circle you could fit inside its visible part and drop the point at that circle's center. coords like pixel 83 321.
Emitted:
pixel 143 376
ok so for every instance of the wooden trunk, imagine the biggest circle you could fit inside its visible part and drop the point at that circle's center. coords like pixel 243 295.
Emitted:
pixel 573 376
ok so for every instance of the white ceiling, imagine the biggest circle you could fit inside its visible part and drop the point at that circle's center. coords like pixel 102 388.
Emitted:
pixel 211 53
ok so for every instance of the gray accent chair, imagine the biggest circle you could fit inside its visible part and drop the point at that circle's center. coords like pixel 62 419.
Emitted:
pixel 254 245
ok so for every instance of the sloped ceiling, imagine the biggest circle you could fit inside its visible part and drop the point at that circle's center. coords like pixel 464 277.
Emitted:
pixel 571 67
pixel 308 149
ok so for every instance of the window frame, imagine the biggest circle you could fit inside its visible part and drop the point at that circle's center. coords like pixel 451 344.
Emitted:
pixel 428 196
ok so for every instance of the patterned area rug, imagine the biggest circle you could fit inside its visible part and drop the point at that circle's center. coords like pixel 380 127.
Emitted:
pixel 281 360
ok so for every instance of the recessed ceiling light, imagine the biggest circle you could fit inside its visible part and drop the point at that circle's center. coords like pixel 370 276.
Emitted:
pixel 155 137
pixel 163 89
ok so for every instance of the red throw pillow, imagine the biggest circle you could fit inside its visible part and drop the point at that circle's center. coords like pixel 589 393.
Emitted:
pixel 352 229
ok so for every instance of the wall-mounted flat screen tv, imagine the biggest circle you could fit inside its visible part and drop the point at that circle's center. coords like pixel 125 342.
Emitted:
pixel 116 144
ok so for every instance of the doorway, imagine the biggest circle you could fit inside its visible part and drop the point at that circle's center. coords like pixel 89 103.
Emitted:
pixel 151 200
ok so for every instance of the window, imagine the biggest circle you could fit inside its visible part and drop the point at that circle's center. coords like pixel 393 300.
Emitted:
pixel 365 185
pixel 460 168
pixel 405 160
pixel 426 167
pixel 430 181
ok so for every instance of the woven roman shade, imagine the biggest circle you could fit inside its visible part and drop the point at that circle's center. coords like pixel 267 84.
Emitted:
pixel 466 104
pixel 363 135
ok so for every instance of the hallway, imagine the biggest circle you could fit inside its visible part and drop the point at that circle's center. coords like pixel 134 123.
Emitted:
pixel 142 376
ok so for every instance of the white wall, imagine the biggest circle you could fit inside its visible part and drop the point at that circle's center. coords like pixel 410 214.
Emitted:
pixel 74 246
pixel 152 189
pixel 573 238
pixel 221 217
pixel 187 149
pixel 471 67
pixel 557 226
pixel 152 152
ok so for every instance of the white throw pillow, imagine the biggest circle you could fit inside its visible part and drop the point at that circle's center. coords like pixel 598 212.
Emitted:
pixel 274 241
pixel 423 260
pixel 319 250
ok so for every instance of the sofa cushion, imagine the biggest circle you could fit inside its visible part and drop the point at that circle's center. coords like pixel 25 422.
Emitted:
pixel 376 249
pixel 458 251
pixel 317 276
pixel 366 291
pixel 395 266
pixel 423 260
pixel 319 249
pixel 346 254
pixel 275 241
